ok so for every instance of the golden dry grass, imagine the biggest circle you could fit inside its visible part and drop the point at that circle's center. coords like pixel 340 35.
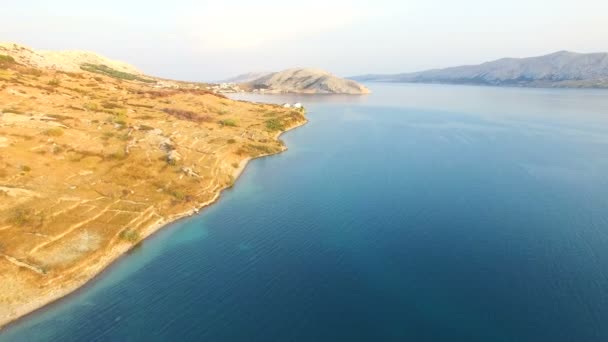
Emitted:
pixel 88 162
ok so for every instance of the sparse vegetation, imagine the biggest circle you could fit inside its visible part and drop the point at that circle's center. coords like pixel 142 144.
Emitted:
pixel 106 70
pixel 23 216
pixel 262 148
pixel 107 135
pixel 6 61
pixel 187 115
pixel 71 74
pixel 91 106
pixel 177 194
pixel 57 149
pixel 111 105
pixel 32 72
pixel 145 128
pixel 256 150
pixel 54 132
pixel 12 110
pixel 228 122
pixel 54 82
pixel 129 235
pixel 118 155
pixel 120 118
pixel 140 105
pixel 274 125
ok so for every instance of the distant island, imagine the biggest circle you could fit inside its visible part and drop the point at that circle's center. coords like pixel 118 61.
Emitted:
pixel 561 69
pixel 298 81
pixel 95 156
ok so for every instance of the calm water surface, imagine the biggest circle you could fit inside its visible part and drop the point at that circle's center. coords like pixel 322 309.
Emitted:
pixel 419 213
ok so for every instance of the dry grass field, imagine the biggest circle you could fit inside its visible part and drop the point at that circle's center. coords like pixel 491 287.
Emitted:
pixel 92 162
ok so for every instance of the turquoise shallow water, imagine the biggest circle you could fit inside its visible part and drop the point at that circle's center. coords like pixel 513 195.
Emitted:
pixel 419 213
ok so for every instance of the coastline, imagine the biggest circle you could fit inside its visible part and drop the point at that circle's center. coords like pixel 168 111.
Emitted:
pixel 91 272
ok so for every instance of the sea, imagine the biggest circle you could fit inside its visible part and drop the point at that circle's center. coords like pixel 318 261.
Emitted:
pixel 415 213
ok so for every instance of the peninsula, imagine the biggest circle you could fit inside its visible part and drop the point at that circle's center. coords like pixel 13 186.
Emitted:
pixel 296 81
pixel 95 156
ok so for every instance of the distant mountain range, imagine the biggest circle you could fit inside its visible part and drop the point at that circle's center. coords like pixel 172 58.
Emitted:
pixel 559 69
pixel 303 81
pixel 244 78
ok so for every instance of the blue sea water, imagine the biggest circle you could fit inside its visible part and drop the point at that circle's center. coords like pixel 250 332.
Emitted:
pixel 418 213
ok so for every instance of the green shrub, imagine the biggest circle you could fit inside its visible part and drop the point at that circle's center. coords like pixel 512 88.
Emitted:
pixel 57 149
pixel 228 122
pixel 274 125
pixel 145 128
pixel 54 132
pixel 231 141
pixel 12 110
pixel 107 135
pixel 54 82
pixel 177 194
pixel 91 106
pixel 261 149
pixel 106 70
pixel 120 118
pixel 118 155
pixel 129 235
pixel 6 61
pixel 121 122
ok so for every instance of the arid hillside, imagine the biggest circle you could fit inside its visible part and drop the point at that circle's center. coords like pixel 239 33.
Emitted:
pixel 94 158
pixel 70 61
pixel 305 81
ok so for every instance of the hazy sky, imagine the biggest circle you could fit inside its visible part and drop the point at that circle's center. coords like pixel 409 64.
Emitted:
pixel 210 40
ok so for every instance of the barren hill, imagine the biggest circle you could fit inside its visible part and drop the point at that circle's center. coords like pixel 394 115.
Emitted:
pixel 70 61
pixel 307 81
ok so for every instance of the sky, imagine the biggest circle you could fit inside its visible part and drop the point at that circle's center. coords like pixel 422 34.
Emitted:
pixel 202 40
